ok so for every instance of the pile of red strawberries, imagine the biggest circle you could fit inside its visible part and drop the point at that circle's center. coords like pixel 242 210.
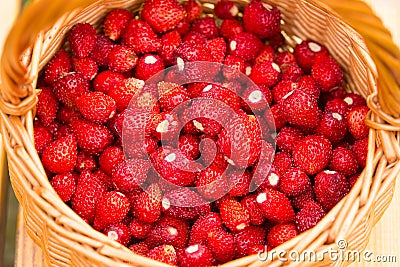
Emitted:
pixel 321 137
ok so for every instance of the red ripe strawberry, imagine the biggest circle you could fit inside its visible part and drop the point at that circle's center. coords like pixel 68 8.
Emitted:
pixel 281 233
pixel 170 41
pixel 307 84
pixel 354 100
pixel 326 73
pixel 111 209
pixel 247 238
pixel 284 58
pixel 245 45
pixel 312 154
pixel 129 175
pixel 257 98
pixel 261 19
pixel 47 106
pixel 85 66
pixel 101 50
pixel 282 88
pixel 217 49
pixel 360 150
pixel 337 105
pixel 59 65
pixel 194 9
pixel 305 53
pixel 60 156
pixel 139 36
pixel 141 150
pixel 171 95
pixel 299 201
pixel 344 161
pixel 239 182
pixel 309 216
pixel 282 162
pixel 257 249
pixel 275 206
pixel 147 206
pixel 106 79
pixel 115 23
pixel 89 191
pixel 123 92
pixel 291 72
pixel 267 53
pixel 205 26
pixel 204 225
pixel 70 87
pixel 225 95
pixel 82 39
pixel 195 255
pixel 169 230
pixel 42 138
pixel 110 157
pixel 234 215
pixel 183 26
pixel 230 28
pixel 275 116
pixel 96 106
pixel 356 122
pixel 92 138
pixel 294 182
pixel 332 126
pixel 233 66
pixel 353 179
pixel 148 66
pixel 226 9
pixel 221 244
pixel 249 202
pixel 106 179
pixel 85 162
pixel 288 137
pixel 330 187
pixel 190 51
pixel 265 73
pixel 184 203
pixel 140 248
pixel 167 127
pixel 211 183
pixel 122 58
pixel 194 37
pixel 119 232
pixel 139 229
pixel 189 145
pixel 65 185
pixel 164 253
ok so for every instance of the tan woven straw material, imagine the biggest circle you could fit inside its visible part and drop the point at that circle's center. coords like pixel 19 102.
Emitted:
pixel 67 240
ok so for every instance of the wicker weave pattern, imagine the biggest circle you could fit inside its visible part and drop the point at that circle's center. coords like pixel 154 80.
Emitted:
pixel 68 241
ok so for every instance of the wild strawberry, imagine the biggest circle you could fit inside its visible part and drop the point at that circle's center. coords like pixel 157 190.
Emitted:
pixel 210 154
pixel 184 203
pixel 129 175
pixel 309 216
pixel 288 137
pixel 139 229
pixel 194 37
pixel 261 19
pixel 139 36
pixel 111 209
pixel 257 249
pixel 312 154
pixel 85 162
pixel 247 238
pixel 70 87
pixel 42 138
pixel 233 66
pixel 282 88
pixel 148 66
pixel 291 72
pixel 119 232
pixel 356 122
pixel 275 206
pixel 189 145
pixel 140 150
pixel 205 26
pixel 60 156
pixel 147 206
pixel 164 253
pixel 353 179
pixel 115 23
pixel 245 45
pixel 167 126
pixel 85 66
pixel 267 53
pixel 171 95
pixel 305 53
pixel 195 255
pixel 249 202
pixel 284 58
pixel 202 226
pixel 96 106
pixel 294 182
pixel 191 51
pixel 211 183
pixel 162 16
pixel 82 39
pixel 230 28
pixel 234 215
pixel 354 100
pixel 170 41
pixel 65 185
pixel 140 248
pixel 122 58
pixel 110 157
pixel 59 65
pixel 106 179
pixel 360 150
pixel 282 162
pixel 183 26
pixel 226 10
pixel 89 191
pixel 47 106
pixel 257 99
pixel 239 182
pixel 101 50
pixel 271 180
pixel 169 230
pixel 332 126
pixel 225 95
pixel 281 233
pixel 307 84
pixel 344 161
pixel 337 105
pixel 265 73
pixel 217 49
pixel 326 73
pixel 276 116
pixel 194 9
pixel 105 80
pixel 330 187
pixel 123 92
pixel 221 245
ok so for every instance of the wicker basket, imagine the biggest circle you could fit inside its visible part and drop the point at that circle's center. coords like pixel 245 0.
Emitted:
pixel 67 240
